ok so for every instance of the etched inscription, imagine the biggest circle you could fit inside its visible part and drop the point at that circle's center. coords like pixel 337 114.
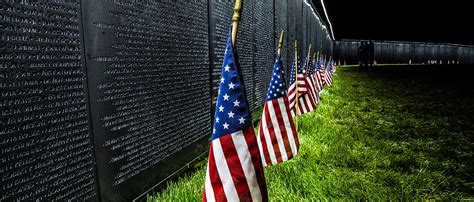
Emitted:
pixel 264 54
pixel 245 48
pixel 45 147
pixel 156 82
pixel 221 14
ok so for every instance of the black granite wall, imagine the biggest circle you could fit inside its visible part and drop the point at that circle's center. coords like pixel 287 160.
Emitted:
pixel 107 99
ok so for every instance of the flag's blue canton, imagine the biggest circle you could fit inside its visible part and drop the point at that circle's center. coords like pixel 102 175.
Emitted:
pixel 310 67
pixel 301 69
pixel 318 64
pixel 315 65
pixel 328 66
pixel 232 113
pixel 277 87
pixel 292 73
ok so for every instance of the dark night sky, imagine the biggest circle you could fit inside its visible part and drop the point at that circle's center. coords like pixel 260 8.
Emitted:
pixel 405 20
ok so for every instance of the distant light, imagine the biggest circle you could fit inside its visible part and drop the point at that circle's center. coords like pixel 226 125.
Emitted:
pixel 319 20
pixel 327 17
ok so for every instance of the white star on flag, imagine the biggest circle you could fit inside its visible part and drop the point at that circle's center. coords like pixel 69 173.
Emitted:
pixel 231 85
pixel 236 103
pixel 242 120
pixel 231 114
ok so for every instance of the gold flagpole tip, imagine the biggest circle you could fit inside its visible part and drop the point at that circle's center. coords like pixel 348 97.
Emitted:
pixel 236 19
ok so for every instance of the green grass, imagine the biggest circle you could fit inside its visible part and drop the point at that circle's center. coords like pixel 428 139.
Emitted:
pixel 396 132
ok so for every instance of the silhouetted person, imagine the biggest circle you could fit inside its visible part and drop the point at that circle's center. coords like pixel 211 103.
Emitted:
pixel 365 54
pixel 360 53
pixel 370 52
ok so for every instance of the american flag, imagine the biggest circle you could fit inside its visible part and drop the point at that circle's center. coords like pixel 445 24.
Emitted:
pixel 328 74
pixel 317 76
pixel 305 101
pixel 322 72
pixel 234 168
pixel 312 83
pixel 277 138
pixel 333 67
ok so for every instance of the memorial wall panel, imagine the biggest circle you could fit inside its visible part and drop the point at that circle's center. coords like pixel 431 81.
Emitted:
pixel 148 70
pixel 264 54
pixel 45 142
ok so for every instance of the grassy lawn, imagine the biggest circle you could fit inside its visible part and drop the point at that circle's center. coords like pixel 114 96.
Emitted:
pixel 396 132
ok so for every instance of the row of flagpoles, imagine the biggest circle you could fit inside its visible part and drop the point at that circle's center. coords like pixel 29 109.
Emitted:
pixel 236 156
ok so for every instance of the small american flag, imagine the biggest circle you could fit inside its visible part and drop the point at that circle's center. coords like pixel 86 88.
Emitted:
pixel 234 168
pixel 277 137
pixel 328 74
pixel 312 83
pixel 317 76
pixel 322 72
pixel 305 100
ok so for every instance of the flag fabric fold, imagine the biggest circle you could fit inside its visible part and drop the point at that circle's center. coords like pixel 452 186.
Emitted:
pixel 277 138
pixel 234 170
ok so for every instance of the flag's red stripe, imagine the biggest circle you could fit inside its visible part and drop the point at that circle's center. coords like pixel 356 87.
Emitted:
pixel 312 88
pixel 235 167
pixel 293 128
pixel 273 138
pixel 265 151
pixel 304 105
pixel 256 160
pixel 291 91
pixel 281 125
pixel 320 82
pixel 214 177
pixel 313 96
pixel 301 105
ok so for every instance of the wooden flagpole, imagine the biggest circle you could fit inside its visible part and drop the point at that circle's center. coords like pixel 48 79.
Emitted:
pixel 315 59
pixel 296 81
pixel 236 19
pixel 307 59
pixel 280 44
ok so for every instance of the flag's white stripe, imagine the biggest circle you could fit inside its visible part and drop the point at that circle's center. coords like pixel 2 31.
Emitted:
pixel 289 131
pixel 224 172
pixel 276 128
pixel 208 186
pixel 247 164
pixel 292 113
pixel 308 101
pixel 311 86
pixel 291 96
pixel 301 106
pixel 260 147
pixel 268 139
